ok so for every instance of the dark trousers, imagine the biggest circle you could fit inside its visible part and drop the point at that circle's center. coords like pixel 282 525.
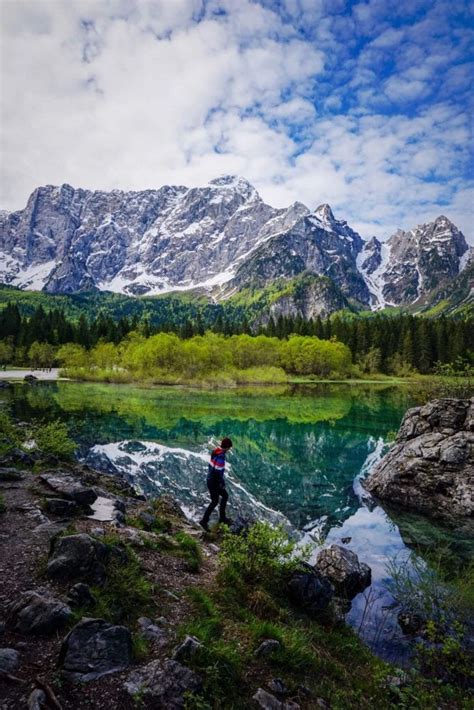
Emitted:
pixel 216 490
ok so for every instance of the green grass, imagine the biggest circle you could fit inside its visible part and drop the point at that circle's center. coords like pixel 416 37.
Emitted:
pixel 126 593
pixel 232 618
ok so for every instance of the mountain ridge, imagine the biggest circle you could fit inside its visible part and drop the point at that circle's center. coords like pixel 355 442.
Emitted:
pixel 219 238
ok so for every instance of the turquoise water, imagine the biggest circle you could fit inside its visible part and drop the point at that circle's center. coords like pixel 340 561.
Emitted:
pixel 299 455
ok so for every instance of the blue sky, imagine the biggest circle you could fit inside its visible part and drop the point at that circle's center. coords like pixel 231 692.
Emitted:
pixel 365 105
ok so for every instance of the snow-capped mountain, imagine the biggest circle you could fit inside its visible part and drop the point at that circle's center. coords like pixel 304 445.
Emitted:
pixel 222 237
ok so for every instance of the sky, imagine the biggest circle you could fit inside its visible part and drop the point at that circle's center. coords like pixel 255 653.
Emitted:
pixel 364 105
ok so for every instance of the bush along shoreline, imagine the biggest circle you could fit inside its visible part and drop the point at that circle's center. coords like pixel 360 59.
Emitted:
pixel 112 600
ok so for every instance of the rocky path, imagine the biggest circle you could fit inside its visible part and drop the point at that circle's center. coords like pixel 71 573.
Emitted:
pixel 32 599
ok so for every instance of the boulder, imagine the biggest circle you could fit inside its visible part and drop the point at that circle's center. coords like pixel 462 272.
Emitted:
pixel 38 612
pixel 10 474
pixel 18 456
pixel 9 660
pixel 165 685
pixel 61 507
pixel 430 469
pixel 80 596
pixel 187 649
pixel 153 633
pixel 267 648
pixel 94 648
pixel 343 569
pixel 68 487
pixel 267 701
pixel 50 531
pixel 309 590
pixel 278 686
pixel 78 557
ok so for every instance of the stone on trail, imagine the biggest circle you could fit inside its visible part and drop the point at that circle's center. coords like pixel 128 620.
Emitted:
pixel 78 557
pixel 38 612
pixel 10 474
pixel 94 648
pixel 343 569
pixel 37 700
pixel 80 596
pixel 60 506
pixel 9 660
pixel 309 590
pixel 69 487
pixel 153 633
pixel 267 648
pixel 166 684
pixel 187 649
pixel 267 701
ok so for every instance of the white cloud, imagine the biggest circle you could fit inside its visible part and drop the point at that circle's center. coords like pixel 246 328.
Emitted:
pixel 162 98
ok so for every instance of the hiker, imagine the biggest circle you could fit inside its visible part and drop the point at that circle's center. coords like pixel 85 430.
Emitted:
pixel 216 483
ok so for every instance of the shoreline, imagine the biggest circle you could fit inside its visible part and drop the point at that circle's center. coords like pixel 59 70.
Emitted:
pixel 17 374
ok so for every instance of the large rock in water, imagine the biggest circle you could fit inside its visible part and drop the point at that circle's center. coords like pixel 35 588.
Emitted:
pixel 94 648
pixel 430 468
pixel 343 569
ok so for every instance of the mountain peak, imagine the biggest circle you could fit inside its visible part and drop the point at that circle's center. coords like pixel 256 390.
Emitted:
pixel 324 213
pixel 229 181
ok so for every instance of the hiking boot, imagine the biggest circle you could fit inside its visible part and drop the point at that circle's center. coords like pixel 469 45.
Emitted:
pixel 204 525
pixel 225 521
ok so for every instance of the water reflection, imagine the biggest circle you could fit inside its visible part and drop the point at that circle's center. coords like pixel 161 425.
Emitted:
pixel 299 454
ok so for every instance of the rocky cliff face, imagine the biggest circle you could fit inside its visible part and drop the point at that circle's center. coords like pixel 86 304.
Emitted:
pixel 430 469
pixel 411 264
pixel 222 237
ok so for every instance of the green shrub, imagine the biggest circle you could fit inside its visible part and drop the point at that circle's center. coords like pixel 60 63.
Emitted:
pixel 53 438
pixel 10 434
pixel 262 556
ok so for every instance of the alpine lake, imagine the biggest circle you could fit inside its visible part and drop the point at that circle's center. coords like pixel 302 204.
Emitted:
pixel 300 454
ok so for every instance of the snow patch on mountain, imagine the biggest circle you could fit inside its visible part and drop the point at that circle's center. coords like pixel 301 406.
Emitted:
pixel 375 278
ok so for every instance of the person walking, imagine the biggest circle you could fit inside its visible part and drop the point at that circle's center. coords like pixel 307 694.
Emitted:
pixel 216 484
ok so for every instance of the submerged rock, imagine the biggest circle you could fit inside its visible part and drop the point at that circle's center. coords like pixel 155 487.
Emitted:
pixel 164 684
pixel 430 468
pixel 343 569
pixel 38 612
pixel 95 648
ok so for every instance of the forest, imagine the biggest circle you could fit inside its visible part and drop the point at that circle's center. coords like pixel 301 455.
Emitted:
pixel 134 348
